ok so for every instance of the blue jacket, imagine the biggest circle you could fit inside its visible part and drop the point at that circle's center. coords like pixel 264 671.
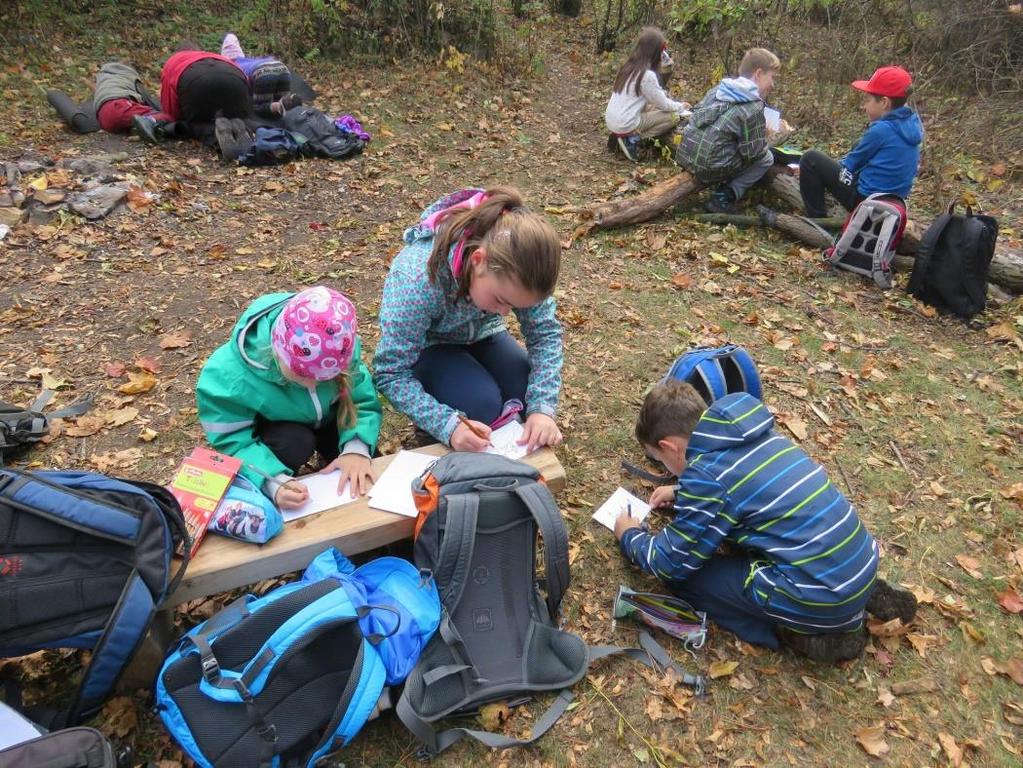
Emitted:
pixel 887 156
pixel 416 313
pixel 812 563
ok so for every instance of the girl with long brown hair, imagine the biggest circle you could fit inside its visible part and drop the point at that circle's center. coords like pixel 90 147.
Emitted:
pixel 639 108
pixel 445 357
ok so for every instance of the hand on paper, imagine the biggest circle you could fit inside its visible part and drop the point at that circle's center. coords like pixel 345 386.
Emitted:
pixel 291 495
pixel 355 468
pixel 464 439
pixel 663 496
pixel 624 522
pixel 539 430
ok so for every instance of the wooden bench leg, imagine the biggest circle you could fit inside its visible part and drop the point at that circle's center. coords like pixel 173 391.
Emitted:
pixel 143 668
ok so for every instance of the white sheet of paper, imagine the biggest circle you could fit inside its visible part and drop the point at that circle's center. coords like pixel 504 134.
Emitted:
pixel 14 729
pixel 505 441
pixel 773 118
pixel 392 492
pixel 616 504
pixel 322 495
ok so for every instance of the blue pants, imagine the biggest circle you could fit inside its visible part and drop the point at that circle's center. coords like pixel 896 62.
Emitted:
pixel 717 589
pixel 476 379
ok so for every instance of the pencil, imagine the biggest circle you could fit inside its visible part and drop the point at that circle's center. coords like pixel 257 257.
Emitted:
pixel 261 473
pixel 473 429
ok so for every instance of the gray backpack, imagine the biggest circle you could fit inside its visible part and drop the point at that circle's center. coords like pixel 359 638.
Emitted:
pixel 68 748
pixel 21 427
pixel 479 516
pixel 869 238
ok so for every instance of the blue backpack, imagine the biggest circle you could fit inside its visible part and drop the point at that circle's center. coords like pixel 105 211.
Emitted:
pixel 85 560
pixel 716 372
pixel 272 146
pixel 291 677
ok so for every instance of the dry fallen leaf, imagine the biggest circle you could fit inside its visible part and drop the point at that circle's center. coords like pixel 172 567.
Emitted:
pixel 917 685
pixel 175 340
pixel 150 364
pixel 85 426
pixel 885 697
pixel 1014 492
pixel 794 423
pixel 115 370
pixel 722 668
pixel 892 628
pixel 493 716
pixel 970 564
pixel 119 417
pixel 147 435
pixel 920 642
pixel 1010 600
pixel 872 740
pixel 951 749
pixel 681 280
pixel 137 384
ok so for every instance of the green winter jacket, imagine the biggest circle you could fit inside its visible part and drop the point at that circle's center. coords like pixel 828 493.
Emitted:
pixel 726 133
pixel 241 381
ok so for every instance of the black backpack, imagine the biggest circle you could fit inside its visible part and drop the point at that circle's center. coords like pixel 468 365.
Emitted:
pixel 21 427
pixel 85 561
pixel 952 263
pixel 323 139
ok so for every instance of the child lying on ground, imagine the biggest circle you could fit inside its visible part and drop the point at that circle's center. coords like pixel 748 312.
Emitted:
pixel 725 142
pixel 269 79
pixel 884 160
pixel 801 567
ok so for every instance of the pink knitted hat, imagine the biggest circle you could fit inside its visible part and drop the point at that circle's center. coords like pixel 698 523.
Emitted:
pixel 315 334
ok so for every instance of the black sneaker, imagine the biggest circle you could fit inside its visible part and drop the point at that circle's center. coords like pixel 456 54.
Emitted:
pixel 146 128
pixel 721 201
pixel 887 603
pixel 629 145
pixel 826 649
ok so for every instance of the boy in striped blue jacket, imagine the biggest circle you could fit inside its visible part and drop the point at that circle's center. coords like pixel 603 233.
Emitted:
pixel 800 568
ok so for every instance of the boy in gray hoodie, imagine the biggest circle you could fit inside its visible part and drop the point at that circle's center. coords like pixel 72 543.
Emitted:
pixel 725 143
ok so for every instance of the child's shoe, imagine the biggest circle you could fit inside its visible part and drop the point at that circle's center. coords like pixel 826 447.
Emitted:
pixel 146 128
pixel 827 649
pixel 887 603
pixel 722 200
pixel 629 145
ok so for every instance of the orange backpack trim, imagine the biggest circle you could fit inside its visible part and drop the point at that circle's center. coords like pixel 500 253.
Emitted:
pixel 426 501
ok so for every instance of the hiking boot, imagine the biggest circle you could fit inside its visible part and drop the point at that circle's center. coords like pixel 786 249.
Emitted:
pixel 147 128
pixel 242 135
pixel 722 200
pixel 629 145
pixel 887 603
pixel 826 649
pixel 290 101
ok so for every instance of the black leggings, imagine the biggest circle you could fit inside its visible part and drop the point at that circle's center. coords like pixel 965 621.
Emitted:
pixel 209 88
pixel 819 173
pixel 294 443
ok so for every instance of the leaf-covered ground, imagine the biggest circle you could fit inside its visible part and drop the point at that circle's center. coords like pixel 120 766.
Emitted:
pixel 916 417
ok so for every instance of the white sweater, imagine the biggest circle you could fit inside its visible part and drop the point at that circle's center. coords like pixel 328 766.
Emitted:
pixel 624 109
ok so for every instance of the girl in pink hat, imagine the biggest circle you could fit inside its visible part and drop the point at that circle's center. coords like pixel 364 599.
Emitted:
pixel 291 383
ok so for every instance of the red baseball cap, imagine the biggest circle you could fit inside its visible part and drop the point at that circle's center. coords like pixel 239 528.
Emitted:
pixel 893 82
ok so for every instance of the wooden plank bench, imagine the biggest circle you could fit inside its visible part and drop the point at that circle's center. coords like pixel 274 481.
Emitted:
pixel 222 564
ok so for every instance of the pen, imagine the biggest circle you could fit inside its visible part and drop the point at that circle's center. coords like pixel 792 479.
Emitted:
pixel 473 429
pixel 261 473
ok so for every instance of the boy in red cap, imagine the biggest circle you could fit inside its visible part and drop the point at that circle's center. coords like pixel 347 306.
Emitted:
pixel 884 160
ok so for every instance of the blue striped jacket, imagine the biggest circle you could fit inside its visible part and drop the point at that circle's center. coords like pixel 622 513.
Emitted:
pixel 812 563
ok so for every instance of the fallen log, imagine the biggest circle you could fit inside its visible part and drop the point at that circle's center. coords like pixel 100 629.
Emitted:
pixel 1006 266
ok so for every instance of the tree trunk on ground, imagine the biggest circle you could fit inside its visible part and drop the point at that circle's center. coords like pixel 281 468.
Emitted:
pixel 1006 266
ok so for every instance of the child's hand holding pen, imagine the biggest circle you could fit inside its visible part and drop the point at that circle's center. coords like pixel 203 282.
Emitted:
pixel 625 521
pixel 290 495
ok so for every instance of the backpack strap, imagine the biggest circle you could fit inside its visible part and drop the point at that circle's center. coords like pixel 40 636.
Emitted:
pixel 882 272
pixel 434 742
pixel 454 555
pixel 540 503
pixel 924 252
pixel 650 653
pixel 121 637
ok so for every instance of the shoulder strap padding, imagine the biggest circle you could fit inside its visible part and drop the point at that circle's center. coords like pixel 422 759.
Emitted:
pixel 454 555
pixel 538 500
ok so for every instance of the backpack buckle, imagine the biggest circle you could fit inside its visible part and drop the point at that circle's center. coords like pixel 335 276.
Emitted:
pixel 267 733
pixel 210 669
